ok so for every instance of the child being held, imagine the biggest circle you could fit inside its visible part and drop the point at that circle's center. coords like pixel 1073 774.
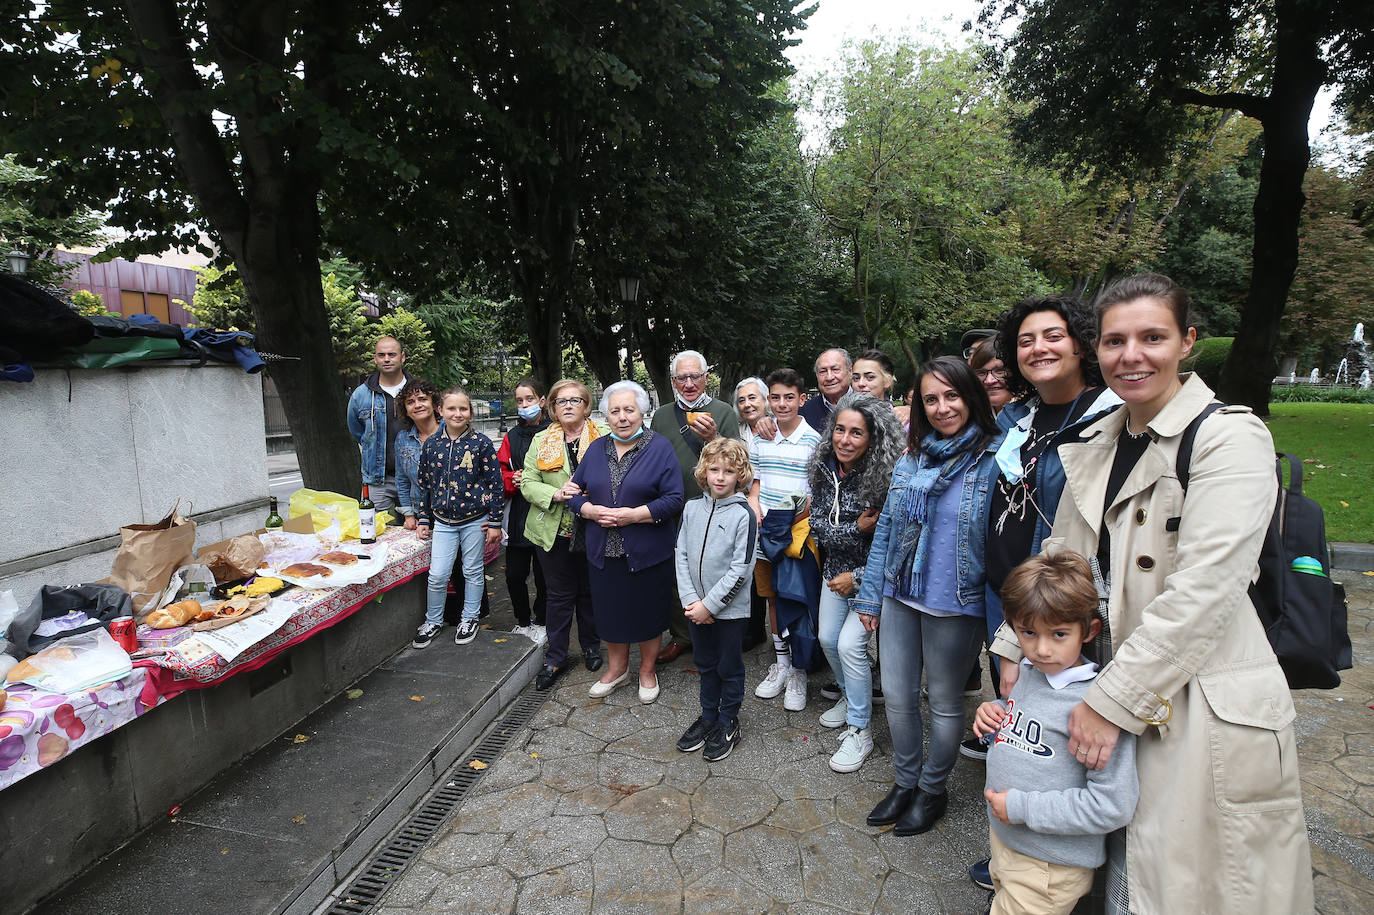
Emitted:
pixel 1049 813
pixel 715 562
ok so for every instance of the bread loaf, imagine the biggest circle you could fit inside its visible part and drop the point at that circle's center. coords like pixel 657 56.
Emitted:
pixel 172 615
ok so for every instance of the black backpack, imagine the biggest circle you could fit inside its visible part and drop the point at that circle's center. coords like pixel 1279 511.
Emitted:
pixel 1303 612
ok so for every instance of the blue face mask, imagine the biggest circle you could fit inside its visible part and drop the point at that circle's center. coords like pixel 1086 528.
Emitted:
pixel 638 433
pixel 530 412
pixel 1009 454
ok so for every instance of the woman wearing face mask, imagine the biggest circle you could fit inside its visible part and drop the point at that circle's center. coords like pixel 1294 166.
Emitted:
pixel 1186 665
pixel 529 404
pixel 628 487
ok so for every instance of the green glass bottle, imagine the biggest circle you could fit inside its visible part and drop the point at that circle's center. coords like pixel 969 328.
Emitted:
pixel 273 518
pixel 367 519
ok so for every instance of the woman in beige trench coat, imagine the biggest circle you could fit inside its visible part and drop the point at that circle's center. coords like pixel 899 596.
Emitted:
pixel 1219 827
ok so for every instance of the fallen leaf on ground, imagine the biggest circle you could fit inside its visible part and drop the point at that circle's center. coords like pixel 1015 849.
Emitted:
pixel 477 764
pixel 299 738
pixel 536 755
pixel 354 693
pixel 1344 504
pixel 224 851
pixel 498 641
pixel 417 698
pixel 298 818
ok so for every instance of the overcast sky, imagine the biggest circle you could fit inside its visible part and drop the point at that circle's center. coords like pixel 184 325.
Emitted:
pixel 836 20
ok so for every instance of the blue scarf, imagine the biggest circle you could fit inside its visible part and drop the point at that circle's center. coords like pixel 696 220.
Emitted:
pixel 939 461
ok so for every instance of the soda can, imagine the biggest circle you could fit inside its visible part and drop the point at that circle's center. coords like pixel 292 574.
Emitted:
pixel 122 631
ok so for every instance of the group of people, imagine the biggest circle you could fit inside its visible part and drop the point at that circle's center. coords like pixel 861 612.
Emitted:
pixel 1025 498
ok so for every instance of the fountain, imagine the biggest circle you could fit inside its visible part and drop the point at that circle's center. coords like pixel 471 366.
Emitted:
pixel 1364 380
pixel 1356 362
pixel 1342 371
pixel 1315 376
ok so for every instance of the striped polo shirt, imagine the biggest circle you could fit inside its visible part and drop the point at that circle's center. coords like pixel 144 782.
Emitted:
pixel 780 465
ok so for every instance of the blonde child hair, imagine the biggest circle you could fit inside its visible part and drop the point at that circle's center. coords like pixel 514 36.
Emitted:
pixel 732 453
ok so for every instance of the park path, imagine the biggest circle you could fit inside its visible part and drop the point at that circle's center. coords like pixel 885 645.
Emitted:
pixel 593 809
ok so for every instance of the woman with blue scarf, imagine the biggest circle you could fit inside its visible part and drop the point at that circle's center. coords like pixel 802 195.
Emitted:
pixel 924 580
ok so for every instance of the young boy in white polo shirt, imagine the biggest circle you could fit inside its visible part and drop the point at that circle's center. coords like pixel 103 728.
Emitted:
pixel 779 469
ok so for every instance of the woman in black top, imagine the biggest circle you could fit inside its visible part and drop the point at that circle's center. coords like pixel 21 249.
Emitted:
pixel 529 404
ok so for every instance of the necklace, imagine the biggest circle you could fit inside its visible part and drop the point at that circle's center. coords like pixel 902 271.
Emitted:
pixel 1134 436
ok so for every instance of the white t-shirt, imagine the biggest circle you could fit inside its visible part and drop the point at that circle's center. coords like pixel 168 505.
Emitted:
pixel 392 389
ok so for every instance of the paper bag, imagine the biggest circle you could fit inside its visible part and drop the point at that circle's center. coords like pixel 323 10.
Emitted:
pixel 238 557
pixel 148 555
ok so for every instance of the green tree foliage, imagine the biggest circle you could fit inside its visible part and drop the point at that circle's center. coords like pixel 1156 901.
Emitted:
pixel 1119 87
pixel 24 225
pixel 88 303
pixel 917 191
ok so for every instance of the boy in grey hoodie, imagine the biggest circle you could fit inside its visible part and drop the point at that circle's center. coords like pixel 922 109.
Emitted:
pixel 1050 814
pixel 715 563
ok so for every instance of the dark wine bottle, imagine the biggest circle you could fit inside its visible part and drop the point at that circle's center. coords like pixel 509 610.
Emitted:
pixel 273 519
pixel 367 519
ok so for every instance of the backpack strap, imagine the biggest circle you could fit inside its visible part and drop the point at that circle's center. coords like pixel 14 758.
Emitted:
pixel 1184 461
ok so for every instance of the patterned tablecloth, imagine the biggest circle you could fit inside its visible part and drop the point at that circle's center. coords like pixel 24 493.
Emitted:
pixel 38 728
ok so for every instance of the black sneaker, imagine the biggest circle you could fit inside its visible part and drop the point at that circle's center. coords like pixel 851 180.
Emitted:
pixel 878 694
pixel 831 691
pixel 974 748
pixel 424 635
pixel 721 741
pixel 694 738
pixel 974 686
pixel 467 631
pixel 980 872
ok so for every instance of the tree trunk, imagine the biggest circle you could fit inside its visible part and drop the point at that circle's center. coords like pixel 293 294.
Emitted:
pixel 1298 73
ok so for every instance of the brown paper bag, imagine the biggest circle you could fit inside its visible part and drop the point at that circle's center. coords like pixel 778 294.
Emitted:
pixel 237 557
pixel 148 556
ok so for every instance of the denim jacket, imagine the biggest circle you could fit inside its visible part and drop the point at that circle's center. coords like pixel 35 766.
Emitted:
pixel 407 469
pixel 895 535
pixel 367 416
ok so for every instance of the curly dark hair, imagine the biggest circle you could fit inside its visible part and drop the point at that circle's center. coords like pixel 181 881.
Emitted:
pixel 1082 326
pixel 414 386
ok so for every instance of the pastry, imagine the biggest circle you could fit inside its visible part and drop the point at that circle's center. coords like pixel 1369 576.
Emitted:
pixel 306 570
pixel 172 615
pixel 338 558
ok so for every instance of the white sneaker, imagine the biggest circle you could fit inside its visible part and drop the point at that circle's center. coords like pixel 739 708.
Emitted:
pixel 855 746
pixel 836 716
pixel 772 685
pixel 795 699
pixel 539 634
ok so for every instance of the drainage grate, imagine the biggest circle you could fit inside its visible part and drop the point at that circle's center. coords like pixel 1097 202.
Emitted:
pixel 414 835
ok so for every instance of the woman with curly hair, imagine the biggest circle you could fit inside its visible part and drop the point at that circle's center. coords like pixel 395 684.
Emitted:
pixel 849 474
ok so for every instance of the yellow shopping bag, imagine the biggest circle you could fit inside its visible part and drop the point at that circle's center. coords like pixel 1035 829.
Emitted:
pixel 325 508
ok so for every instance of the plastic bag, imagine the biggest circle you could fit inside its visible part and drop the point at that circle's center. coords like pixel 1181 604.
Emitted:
pixel 78 663
pixel 325 508
pixel 284 548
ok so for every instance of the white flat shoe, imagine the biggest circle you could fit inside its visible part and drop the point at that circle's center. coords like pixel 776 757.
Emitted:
pixel 601 690
pixel 648 694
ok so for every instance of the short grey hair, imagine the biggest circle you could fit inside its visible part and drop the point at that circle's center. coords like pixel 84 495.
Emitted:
pixel 848 359
pixel 641 396
pixel 763 388
pixel 672 363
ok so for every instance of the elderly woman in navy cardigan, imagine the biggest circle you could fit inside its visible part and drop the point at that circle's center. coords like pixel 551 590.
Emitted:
pixel 628 488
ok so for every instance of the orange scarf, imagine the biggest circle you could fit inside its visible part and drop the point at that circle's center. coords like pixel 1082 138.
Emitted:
pixel 551 451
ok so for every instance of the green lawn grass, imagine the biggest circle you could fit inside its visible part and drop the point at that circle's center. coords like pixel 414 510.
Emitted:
pixel 1336 444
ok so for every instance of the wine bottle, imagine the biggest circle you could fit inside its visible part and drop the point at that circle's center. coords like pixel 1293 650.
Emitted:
pixel 367 519
pixel 273 519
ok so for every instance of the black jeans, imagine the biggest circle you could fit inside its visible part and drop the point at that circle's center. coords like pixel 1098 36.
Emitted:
pixel 718 649
pixel 518 562
pixel 569 594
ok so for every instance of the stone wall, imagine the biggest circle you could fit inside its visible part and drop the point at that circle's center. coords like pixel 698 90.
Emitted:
pixel 87 451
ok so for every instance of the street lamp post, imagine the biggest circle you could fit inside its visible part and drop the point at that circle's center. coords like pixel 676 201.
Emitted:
pixel 19 262
pixel 629 289
pixel 499 357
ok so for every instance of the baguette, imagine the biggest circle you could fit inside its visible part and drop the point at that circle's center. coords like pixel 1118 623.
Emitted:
pixel 173 615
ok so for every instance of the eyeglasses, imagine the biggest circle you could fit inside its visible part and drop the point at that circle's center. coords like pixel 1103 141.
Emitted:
pixel 568 402
pixel 694 377
pixel 985 374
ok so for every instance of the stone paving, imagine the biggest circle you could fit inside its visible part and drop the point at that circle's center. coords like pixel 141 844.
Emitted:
pixel 593 809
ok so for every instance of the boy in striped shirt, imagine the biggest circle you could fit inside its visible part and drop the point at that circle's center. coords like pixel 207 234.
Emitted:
pixel 779 469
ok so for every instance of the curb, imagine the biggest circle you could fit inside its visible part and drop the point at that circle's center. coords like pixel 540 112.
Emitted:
pixel 1353 557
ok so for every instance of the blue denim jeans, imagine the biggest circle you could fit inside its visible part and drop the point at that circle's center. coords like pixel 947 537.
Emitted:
pixel 944 646
pixel 445 543
pixel 718 652
pixel 845 643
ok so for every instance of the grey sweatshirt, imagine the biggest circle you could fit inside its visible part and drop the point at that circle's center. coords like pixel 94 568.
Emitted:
pixel 715 555
pixel 1060 810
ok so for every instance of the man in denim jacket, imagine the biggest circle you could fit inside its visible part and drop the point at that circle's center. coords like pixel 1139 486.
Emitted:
pixel 371 409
